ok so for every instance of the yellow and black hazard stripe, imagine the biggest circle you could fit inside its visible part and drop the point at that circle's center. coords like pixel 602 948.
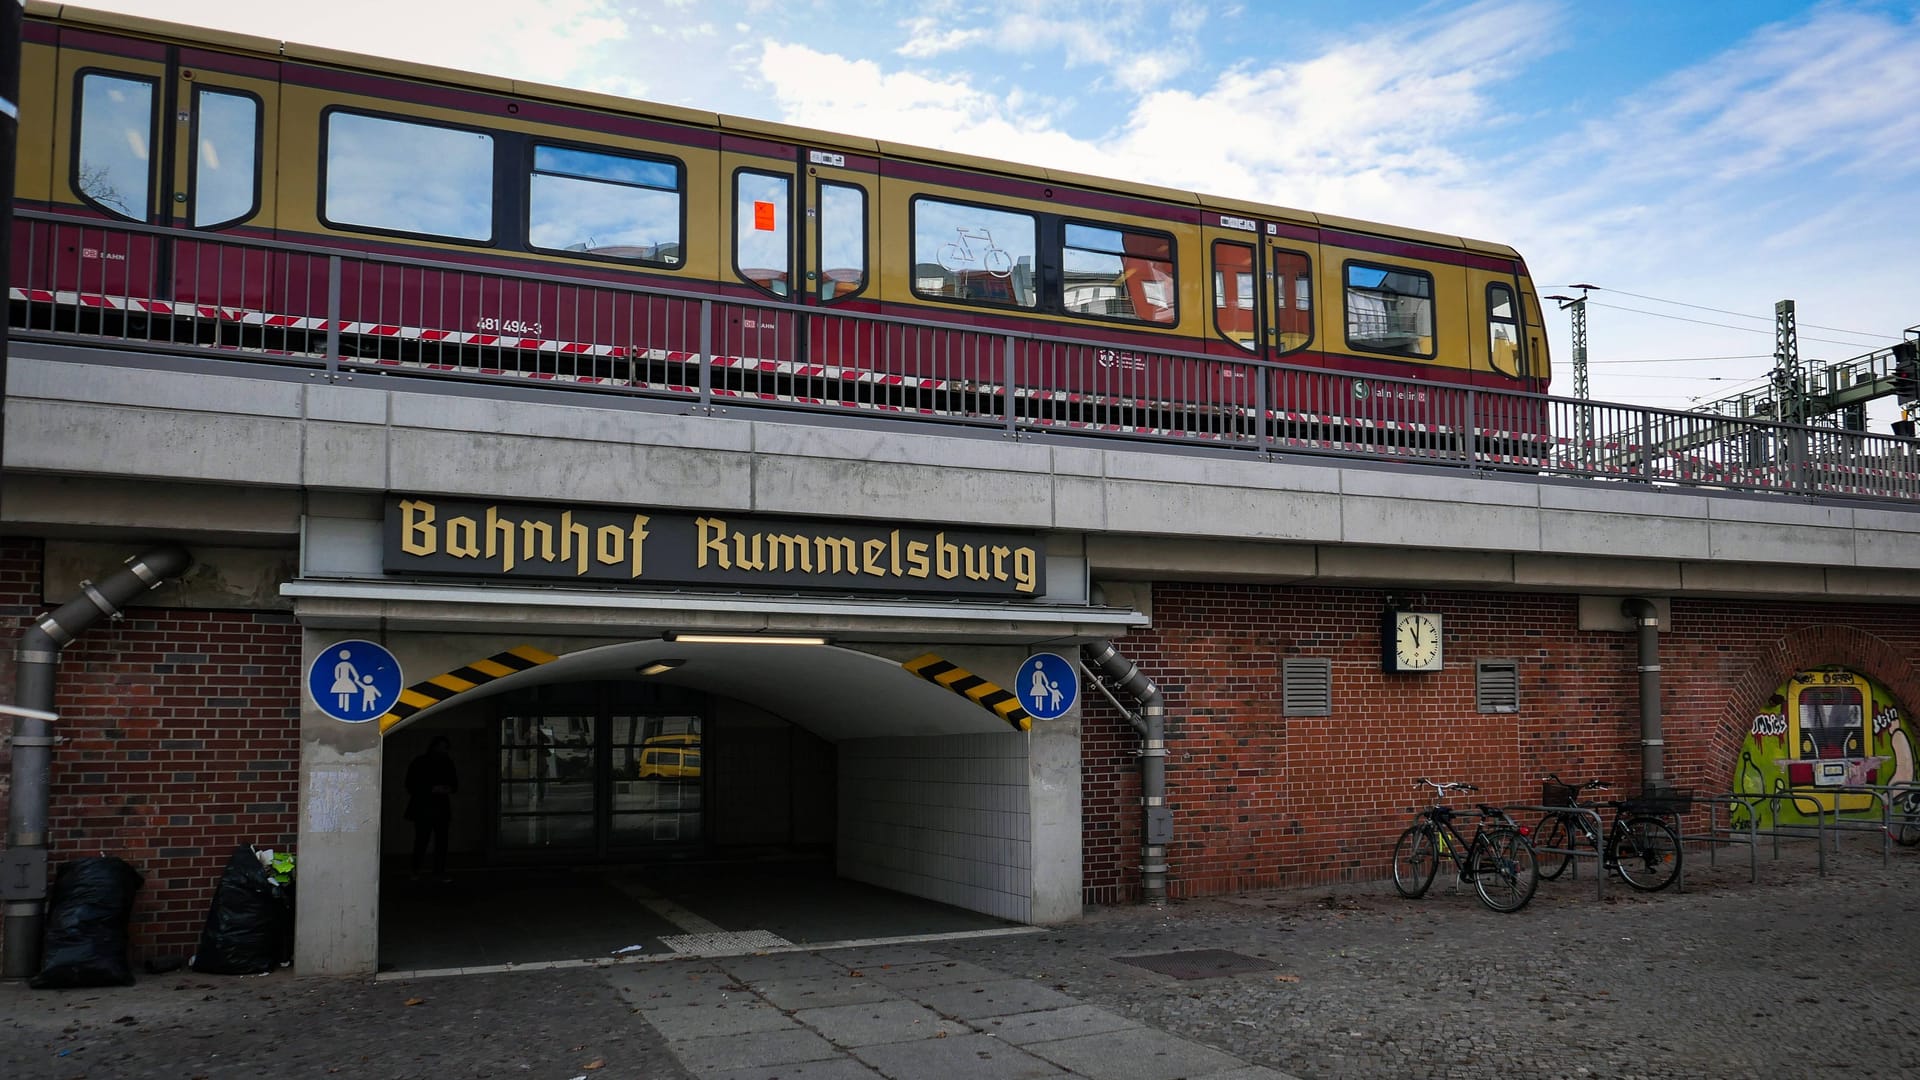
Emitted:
pixel 988 696
pixel 458 681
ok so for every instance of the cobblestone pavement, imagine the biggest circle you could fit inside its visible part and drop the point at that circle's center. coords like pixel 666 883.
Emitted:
pixel 1793 975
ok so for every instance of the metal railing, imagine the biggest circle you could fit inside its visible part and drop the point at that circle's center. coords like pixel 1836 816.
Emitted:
pixel 345 313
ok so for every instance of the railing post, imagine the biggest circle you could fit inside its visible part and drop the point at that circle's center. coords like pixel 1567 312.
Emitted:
pixel 1263 435
pixel 333 317
pixel 1008 408
pixel 1798 465
pixel 1646 445
pixel 1471 423
pixel 706 353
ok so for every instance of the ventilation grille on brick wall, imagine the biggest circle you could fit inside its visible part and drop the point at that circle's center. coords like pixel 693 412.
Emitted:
pixel 1306 685
pixel 1496 685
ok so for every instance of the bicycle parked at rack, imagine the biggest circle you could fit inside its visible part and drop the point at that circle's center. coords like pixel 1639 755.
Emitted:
pixel 1641 846
pixel 1498 862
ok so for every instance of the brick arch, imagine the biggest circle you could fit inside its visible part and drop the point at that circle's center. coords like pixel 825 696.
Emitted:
pixel 1798 650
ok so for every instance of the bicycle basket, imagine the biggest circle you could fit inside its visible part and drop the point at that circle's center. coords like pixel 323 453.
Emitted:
pixel 1661 801
pixel 1552 794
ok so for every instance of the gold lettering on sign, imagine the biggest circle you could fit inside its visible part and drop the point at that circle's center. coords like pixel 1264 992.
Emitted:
pixel 563 538
pixel 498 530
pixel 463 537
pixel 417 534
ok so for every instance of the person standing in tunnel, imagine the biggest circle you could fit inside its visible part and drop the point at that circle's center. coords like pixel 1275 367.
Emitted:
pixel 431 782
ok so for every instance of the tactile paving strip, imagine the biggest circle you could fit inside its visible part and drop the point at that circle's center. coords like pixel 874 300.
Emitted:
pixel 726 942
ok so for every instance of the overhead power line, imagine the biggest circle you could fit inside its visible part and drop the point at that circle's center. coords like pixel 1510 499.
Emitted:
pixel 1736 314
pixel 1688 359
pixel 1726 326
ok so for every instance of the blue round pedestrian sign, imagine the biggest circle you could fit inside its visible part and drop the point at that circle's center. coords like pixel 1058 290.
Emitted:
pixel 354 681
pixel 1047 685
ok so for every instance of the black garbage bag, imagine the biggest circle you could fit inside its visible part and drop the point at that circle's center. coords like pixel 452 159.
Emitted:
pixel 244 934
pixel 85 943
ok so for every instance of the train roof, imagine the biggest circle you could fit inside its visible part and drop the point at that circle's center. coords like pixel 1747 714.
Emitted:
pixel 590 99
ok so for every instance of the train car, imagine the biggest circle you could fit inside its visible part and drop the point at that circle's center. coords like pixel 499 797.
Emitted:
pixel 192 186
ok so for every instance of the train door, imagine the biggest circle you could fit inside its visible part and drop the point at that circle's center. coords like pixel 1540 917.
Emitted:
pixel 754 333
pixel 224 111
pixel 107 158
pixel 838 246
pixel 165 136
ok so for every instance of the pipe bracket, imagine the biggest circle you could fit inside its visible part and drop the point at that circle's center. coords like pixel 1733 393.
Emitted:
pixel 38 740
pixel 99 600
pixel 35 656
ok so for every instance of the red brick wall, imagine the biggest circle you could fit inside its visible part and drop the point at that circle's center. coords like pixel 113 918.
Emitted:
pixel 184 731
pixel 1263 800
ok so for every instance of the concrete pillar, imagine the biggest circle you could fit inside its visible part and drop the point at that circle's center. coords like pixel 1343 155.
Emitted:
pixel 1053 792
pixel 337 915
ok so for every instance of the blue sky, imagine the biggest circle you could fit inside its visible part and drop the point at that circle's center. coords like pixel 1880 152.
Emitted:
pixel 1720 154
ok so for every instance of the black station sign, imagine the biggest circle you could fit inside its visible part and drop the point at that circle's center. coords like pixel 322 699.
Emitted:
pixel 471 538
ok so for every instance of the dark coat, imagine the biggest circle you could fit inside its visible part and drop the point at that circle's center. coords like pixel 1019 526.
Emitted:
pixel 428 771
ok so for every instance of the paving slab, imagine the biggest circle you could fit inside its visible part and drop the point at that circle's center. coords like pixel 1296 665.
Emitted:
pixel 679 1023
pixel 691 980
pixel 757 1050
pixel 823 992
pixel 967 1057
pixel 1248 1072
pixel 841 1069
pixel 1002 997
pixel 782 965
pixel 1135 1054
pixel 932 973
pixel 882 956
pixel 1049 1025
pixel 879 1022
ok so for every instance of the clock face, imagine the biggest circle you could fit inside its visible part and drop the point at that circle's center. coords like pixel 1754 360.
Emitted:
pixel 1416 641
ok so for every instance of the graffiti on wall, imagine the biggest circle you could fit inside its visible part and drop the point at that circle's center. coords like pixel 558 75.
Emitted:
pixel 1824 730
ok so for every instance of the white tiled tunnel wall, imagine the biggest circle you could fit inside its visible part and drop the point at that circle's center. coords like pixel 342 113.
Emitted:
pixel 940 816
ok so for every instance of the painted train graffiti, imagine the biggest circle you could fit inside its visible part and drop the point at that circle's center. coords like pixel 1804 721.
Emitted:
pixel 1824 730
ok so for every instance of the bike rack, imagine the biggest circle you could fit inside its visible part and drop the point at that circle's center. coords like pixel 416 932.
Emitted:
pixel 1598 855
pixel 1718 835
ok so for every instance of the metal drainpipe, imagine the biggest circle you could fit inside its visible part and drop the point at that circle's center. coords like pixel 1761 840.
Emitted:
pixel 35 659
pixel 1652 742
pixel 1157 823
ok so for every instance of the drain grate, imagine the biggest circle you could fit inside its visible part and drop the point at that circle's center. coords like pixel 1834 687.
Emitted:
pixel 726 943
pixel 1198 963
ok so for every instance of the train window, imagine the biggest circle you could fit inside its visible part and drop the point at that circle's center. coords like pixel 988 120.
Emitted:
pixel 1233 312
pixel 225 174
pixel 762 233
pixel 113 165
pixel 612 205
pixel 843 241
pixel 1292 300
pixel 1503 330
pixel 974 254
pixel 1116 274
pixel 408 177
pixel 1389 310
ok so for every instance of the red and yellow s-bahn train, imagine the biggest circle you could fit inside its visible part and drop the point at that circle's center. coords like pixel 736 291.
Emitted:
pixel 228 163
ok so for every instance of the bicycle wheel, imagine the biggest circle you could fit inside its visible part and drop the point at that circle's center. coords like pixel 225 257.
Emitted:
pixel 1646 851
pixel 1906 817
pixel 1552 841
pixel 1504 868
pixel 1415 859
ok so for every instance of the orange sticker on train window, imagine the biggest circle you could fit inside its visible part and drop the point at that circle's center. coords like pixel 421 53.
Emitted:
pixel 763 217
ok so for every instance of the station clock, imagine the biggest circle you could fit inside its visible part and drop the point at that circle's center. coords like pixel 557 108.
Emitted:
pixel 1411 641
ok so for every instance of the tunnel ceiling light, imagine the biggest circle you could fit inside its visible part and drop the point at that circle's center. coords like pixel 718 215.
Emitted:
pixel 743 639
pixel 659 667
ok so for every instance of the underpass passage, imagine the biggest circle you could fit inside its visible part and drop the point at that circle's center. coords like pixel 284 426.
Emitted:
pixel 536 914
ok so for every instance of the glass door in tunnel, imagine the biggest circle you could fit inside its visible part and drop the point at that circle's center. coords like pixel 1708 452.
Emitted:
pixel 658 784
pixel 598 770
